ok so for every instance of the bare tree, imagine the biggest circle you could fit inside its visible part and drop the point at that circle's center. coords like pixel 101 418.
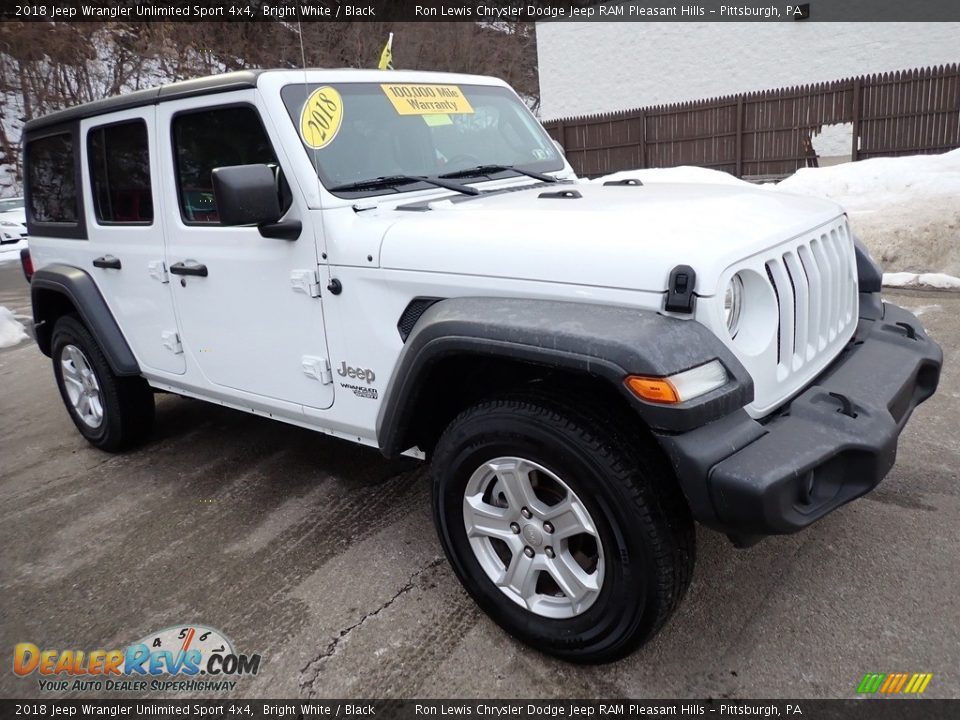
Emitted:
pixel 48 66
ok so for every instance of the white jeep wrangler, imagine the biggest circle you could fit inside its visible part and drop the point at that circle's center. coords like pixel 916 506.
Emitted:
pixel 405 260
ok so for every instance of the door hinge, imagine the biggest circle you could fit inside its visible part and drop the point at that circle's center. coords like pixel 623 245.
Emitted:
pixel 158 271
pixel 171 341
pixel 306 282
pixel 318 368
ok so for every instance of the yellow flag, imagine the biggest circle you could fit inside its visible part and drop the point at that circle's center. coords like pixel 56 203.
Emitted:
pixel 386 57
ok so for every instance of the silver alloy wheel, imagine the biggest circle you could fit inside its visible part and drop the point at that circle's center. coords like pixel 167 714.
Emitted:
pixel 81 385
pixel 533 537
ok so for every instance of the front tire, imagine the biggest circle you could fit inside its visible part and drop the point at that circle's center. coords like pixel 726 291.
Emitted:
pixel 568 531
pixel 113 413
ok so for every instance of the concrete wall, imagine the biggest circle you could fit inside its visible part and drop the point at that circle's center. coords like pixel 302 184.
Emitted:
pixel 595 67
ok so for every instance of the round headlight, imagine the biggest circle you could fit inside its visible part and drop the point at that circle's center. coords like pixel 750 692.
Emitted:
pixel 733 303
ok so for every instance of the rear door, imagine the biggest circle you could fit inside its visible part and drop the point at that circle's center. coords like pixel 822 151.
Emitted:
pixel 121 182
pixel 249 311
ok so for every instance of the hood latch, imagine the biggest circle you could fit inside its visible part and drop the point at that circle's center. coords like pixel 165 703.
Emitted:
pixel 680 297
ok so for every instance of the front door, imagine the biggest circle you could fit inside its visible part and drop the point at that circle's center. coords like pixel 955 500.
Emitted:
pixel 248 306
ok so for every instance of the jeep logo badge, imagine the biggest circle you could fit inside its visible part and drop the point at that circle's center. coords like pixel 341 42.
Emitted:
pixel 532 535
pixel 356 372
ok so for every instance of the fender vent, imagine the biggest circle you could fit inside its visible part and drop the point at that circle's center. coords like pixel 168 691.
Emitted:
pixel 408 318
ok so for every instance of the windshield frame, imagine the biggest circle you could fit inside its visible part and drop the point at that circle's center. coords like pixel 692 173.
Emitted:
pixel 294 94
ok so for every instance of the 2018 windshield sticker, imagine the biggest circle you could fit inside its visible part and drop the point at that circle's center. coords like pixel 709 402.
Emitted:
pixel 321 117
pixel 411 99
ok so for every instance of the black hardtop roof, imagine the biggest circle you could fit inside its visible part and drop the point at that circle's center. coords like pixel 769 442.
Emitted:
pixel 239 80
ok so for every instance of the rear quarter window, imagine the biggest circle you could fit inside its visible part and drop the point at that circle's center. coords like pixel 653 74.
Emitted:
pixel 52 180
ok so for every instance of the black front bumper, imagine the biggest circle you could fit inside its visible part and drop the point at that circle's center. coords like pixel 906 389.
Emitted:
pixel 832 443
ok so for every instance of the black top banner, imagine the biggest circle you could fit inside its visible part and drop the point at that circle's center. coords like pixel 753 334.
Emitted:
pixel 478 10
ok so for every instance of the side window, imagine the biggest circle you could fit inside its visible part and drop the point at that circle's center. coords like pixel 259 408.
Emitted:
pixel 209 139
pixel 119 160
pixel 51 180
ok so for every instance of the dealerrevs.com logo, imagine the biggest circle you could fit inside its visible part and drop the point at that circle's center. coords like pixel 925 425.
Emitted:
pixel 187 658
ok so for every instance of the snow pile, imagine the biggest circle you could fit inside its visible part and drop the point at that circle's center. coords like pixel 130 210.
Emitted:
pixel 906 209
pixel 931 280
pixel 11 252
pixel 11 330
pixel 680 174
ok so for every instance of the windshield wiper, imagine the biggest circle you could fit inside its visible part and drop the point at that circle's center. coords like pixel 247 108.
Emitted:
pixel 393 181
pixel 488 169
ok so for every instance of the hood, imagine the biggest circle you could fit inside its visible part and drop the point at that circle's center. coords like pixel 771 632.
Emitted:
pixel 627 237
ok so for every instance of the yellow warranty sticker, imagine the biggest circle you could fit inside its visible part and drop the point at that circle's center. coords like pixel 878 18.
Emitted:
pixel 321 117
pixel 410 99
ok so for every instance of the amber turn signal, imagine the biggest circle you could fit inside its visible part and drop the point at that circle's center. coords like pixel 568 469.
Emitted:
pixel 656 390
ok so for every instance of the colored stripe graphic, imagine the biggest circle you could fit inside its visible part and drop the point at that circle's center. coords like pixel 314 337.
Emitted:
pixel 889 682
pixel 894 683
pixel 922 682
pixel 870 683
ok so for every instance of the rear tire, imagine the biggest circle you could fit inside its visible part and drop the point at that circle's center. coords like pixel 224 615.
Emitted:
pixel 635 543
pixel 113 413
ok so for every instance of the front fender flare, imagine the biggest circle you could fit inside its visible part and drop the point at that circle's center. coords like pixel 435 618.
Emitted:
pixel 605 341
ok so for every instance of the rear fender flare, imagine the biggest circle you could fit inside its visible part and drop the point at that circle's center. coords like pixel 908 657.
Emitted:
pixel 81 291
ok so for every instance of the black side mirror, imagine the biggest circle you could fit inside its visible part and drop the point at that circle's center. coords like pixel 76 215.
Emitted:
pixel 246 195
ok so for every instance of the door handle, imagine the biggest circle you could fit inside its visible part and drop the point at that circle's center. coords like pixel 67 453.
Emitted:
pixel 191 269
pixel 107 261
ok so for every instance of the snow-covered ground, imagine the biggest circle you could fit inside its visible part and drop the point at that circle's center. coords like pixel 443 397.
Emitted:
pixel 11 252
pixel 906 210
pixel 11 329
pixel 933 280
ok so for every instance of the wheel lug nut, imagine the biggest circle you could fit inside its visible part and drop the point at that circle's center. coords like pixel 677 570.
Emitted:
pixel 549 551
pixel 547 527
pixel 528 551
pixel 526 513
pixel 515 528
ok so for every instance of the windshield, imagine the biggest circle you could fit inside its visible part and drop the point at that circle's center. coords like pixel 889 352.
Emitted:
pixel 357 132
pixel 11 204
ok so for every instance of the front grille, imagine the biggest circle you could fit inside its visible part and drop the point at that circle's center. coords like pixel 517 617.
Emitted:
pixel 813 280
pixel 816 293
